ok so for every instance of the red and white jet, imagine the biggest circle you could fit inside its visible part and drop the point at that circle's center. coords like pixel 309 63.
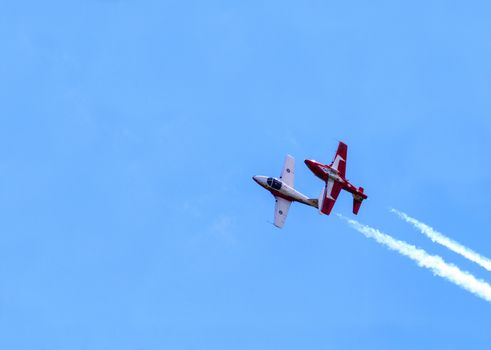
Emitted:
pixel 334 177
pixel 282 189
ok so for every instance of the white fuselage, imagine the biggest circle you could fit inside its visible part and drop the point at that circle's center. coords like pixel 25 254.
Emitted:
pixel 280 189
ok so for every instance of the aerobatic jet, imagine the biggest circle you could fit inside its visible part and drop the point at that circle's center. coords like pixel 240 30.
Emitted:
pixel 335 181
pixel 282 190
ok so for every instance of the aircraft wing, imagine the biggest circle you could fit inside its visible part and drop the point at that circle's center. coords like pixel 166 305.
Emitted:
pixel 339 162
pixel 288 172
pixel 281 211
pixel 329 196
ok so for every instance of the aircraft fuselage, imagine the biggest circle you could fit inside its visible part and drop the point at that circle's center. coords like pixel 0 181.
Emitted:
pixel 325 172
pixel 279 189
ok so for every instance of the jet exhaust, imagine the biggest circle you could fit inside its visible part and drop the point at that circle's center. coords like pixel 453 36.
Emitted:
pixel 434 263
pixel 443 240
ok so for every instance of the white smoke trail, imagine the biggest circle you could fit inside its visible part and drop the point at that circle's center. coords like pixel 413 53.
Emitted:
pixel 439 238
pixel 433 262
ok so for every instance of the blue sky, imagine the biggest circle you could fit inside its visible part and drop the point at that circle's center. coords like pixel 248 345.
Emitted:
pixel 130 132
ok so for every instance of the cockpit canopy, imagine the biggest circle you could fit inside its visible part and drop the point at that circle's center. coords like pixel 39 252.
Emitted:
pixel 273 183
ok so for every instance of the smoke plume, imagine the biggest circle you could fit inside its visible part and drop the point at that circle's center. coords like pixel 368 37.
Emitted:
pixel 443 240
pixel 432 262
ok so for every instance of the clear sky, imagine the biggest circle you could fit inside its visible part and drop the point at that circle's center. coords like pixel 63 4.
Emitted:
pixel 130 132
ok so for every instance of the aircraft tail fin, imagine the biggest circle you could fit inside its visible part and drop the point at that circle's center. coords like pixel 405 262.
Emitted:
pixel 314 202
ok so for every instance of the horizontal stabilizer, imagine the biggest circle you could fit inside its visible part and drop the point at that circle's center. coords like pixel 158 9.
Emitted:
pixel 358 199
pixel 356 206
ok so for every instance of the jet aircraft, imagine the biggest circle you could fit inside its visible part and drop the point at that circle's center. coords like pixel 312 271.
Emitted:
pixel 334 177
pixel 282 189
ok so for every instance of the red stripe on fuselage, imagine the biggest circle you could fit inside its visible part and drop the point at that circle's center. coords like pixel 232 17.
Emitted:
pixel 281 195
pixel 317 167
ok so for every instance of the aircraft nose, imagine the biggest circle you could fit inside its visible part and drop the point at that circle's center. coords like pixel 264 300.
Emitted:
pixel 311 164
pixel 255 178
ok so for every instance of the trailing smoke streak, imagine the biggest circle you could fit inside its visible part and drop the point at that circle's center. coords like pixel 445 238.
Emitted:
pixel 443 240
pixel 433 262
